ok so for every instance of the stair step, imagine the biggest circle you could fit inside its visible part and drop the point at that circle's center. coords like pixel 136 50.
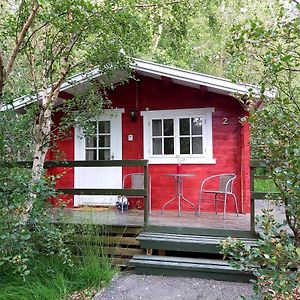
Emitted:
pixel 187 243
pixel 201 231
pixel 188 267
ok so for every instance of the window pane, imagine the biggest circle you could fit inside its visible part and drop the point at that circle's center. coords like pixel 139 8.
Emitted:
pixel 104 126
pixel 197 126
pixel 156 128
pixel 184 126
pixel 185 145
pixel 157 146
pixel 104 154
pixel 91 154
pixel 197 145
pixel 91 142
pixel 168 127
pixel 169 146
pixel 104 141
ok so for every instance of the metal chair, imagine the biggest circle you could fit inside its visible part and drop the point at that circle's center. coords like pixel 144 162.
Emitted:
pixel 136 182
pixel 225 183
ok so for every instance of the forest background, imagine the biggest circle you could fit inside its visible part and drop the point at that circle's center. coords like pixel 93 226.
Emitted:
pixel 44 42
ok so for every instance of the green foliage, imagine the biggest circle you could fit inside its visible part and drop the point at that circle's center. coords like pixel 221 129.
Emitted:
pixel 81 34
pixel 54 280
pixel 20 243
pixel 15 135
pixel 265 185
pixel 199 42
pixel 274 261
pixel 270 49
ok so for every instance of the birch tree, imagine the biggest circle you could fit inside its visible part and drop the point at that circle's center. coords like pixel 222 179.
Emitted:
pixel 10 52
pixel 61 38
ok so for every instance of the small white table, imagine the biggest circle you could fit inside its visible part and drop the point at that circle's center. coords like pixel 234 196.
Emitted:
pixel 178 178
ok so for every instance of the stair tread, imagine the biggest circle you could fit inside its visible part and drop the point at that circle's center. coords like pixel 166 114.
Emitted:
pixel 176 238
pixel 181 259
pixel 200 264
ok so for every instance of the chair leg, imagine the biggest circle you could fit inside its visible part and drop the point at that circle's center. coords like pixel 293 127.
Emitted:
pixel 225 202
pixel 216 211
pixel 122 205
pixel 236 206
pixel 199 203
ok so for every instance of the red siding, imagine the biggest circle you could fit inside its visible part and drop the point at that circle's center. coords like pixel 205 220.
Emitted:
pixel 230 142
pixel 63 149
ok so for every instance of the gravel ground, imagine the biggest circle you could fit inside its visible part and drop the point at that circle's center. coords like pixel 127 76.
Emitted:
pixel 146 287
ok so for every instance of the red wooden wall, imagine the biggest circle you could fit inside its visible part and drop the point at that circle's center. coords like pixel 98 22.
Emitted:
pixel 230 142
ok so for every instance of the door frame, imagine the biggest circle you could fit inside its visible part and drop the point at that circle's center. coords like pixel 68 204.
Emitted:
pixel 116 140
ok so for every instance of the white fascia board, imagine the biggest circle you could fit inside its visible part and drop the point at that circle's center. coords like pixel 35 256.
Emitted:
pixel 193 77
pixel 69 83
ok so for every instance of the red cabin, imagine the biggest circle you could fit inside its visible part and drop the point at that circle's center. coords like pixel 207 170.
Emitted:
pixel 180 121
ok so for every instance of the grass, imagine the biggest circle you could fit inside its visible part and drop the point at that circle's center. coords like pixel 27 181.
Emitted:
pixel 264 185
pixel 53 280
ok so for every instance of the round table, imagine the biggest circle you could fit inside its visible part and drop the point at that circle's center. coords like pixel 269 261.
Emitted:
pixel 178 181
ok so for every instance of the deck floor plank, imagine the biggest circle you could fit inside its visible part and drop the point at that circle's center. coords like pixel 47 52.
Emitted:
pixel 113 217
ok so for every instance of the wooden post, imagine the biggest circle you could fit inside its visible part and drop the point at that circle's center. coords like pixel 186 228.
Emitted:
pixel 146 199
pixel 252 200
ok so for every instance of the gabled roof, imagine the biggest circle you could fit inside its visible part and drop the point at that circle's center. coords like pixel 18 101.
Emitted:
pixel 189 78
pixel 150 69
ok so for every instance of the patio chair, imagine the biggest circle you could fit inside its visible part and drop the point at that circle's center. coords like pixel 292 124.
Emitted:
pixel 136 182
pixel 225 183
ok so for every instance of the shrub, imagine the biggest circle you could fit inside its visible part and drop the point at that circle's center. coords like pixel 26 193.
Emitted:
pixel 21 243
pixel 275 261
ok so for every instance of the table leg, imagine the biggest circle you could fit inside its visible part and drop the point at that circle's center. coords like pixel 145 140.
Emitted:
pixel 179 195
pixel 184 198
pixel 162 209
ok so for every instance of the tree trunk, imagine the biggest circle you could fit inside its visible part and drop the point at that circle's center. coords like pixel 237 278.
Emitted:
pixel 157 36
pixel 2 78
pixel 42 130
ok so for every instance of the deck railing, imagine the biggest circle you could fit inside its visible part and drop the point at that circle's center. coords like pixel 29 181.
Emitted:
pixel 258 195
pixel 255 195
pixel 94 191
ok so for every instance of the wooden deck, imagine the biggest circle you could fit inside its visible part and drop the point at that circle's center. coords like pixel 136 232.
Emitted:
pixel 112 216
pixel 205 220
pixel 169 245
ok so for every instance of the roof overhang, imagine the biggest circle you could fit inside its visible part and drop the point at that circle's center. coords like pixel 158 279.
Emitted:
pixel 80 82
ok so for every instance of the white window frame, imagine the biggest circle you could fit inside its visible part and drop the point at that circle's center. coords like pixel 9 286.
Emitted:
pixel 113 115
pixel 97 136
pixel 176 114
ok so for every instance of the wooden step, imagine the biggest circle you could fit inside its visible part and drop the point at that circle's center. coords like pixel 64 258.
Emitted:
pixel 185 243
pixel 188 267
pixel 201 231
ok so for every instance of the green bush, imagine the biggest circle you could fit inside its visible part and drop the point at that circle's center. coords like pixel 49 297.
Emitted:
pixel 21 243
pixel 275 261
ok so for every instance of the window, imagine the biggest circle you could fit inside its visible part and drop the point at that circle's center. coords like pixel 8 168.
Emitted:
pixel 163 136
pixel 182 135
pixel 190 135
pixel 97 145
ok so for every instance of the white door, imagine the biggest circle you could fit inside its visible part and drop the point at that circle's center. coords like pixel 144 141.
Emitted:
pixel 104 144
